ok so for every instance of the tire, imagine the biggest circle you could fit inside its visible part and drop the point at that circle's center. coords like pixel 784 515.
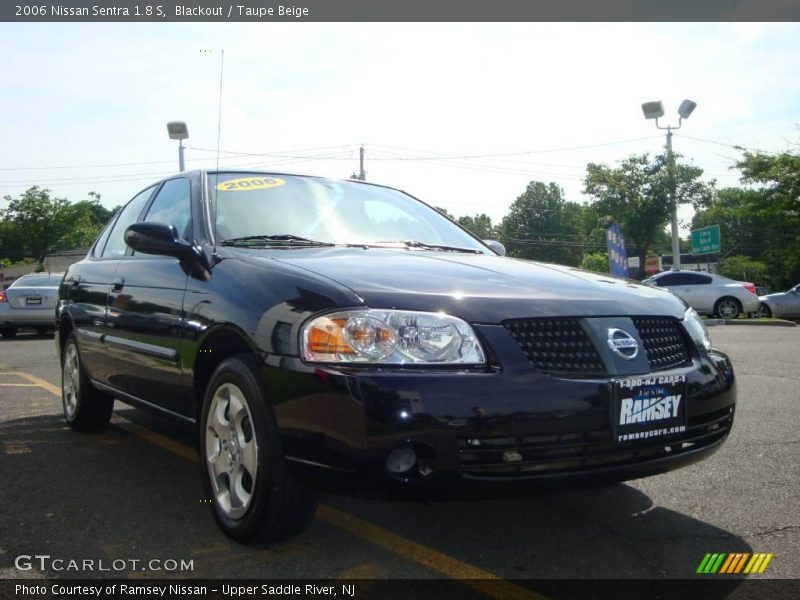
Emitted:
pixel 85 407
pixel 764 311
pixel 253 497
pixel 9 332
pixel 728 308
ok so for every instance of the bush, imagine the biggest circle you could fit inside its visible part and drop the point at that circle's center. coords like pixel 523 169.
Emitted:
pixel 744 268
pixel 595 261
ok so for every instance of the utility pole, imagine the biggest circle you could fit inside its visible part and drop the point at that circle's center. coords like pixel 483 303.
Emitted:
pixel 362 175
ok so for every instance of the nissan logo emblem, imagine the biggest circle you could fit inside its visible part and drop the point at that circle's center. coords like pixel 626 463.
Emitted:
pixel 623 344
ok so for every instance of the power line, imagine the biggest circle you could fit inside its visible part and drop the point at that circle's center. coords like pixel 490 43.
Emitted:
pixel 161 162
pixel 738 147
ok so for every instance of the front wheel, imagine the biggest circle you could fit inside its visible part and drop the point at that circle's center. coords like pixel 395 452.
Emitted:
pixel 8 332
pixel 85 407
pixel 764 311
pixel 727 308
pixel 253 497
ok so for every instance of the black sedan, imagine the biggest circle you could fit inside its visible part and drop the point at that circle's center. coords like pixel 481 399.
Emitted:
pixel 346 336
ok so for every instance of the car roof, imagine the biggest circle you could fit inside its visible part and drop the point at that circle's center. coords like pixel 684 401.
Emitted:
pixel 201 172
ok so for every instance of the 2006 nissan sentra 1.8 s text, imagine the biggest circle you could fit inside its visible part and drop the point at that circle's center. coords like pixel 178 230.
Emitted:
pixel 339 335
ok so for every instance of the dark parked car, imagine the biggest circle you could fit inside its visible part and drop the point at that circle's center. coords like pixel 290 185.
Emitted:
pixel 346 336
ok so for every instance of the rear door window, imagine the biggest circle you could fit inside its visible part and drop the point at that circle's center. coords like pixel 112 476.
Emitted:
pixel 116 246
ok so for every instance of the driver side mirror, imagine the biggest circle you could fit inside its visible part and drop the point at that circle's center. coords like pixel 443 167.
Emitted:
pixel 158 238
pixel 496 246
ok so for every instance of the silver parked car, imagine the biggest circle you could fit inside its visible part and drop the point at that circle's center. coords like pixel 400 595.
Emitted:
pixel 30 303
pixel 709 293
pixel 781 304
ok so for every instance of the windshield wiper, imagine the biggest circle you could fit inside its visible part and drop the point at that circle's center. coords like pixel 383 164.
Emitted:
pixel 284 239
pixel 424 246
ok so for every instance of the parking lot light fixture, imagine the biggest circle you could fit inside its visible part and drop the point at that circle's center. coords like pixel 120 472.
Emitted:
pixel 178 131
pixel 655 110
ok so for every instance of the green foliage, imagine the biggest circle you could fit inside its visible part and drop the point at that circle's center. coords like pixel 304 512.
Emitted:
pixel 636 195
pixel 770 215
pixel 541 225
pixel 35 224
pixel 595 261
pixel 479 225
pixel 445 212
pixel 744 268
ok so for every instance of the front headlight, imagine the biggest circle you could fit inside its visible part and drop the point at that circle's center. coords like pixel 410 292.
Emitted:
pixel 393 337
pixel 696 328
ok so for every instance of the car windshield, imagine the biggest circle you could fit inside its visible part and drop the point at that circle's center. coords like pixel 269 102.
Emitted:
pixel 327 211
pixel 41 280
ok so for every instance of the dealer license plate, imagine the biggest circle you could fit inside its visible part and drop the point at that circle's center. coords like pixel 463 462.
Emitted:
pixel 648 407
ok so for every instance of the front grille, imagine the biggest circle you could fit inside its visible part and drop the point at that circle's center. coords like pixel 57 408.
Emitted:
pixel 557 346
pixel 523 455
pixel 560 346
pixel 663 341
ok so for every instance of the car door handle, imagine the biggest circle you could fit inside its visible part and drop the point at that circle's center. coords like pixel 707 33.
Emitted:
pixel 119 283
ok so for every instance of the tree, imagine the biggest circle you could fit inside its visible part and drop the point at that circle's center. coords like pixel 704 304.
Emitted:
pixel 40 221
pixel 636 195
pixel 444 211
pixel 541 225
pixel 743 228
pixel 479 225
pixel 777 210
pixel 37 224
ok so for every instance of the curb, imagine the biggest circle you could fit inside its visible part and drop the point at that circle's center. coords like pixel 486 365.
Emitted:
pixel 749 322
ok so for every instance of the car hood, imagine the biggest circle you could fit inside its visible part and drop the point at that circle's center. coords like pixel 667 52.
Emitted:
pixel 479 288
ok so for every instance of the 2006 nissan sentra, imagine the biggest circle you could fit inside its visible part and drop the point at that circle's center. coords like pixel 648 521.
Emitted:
pixel 342 335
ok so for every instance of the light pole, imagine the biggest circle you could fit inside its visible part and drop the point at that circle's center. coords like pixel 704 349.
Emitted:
pixel 655 110
pixel 178 131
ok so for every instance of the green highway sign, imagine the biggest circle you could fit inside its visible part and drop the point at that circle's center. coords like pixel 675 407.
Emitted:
pixel 705 240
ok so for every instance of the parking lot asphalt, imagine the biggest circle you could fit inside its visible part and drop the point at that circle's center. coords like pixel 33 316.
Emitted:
pixel 134 492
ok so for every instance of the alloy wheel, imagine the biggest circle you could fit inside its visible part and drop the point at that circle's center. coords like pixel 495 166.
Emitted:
pixel 71 381
pixel 728 309
pixel 231 450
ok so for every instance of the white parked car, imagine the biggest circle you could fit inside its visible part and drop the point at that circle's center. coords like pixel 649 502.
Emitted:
pixel 782 304
pixel 708 293
pixel 30 303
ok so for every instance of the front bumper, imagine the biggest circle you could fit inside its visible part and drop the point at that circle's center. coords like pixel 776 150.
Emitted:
pixel 340 427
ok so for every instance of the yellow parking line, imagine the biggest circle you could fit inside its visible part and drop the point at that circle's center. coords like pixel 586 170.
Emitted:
pixel 183 450
pixel 488 583
pixel 18 385
pixel 39 381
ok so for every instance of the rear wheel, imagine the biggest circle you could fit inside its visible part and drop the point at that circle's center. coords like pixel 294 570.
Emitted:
pixel 727 308
pixel 253 497
pixel 8 332
pixel 85 407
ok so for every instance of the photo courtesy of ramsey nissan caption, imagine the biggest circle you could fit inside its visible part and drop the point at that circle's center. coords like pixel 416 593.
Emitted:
pixel 344 336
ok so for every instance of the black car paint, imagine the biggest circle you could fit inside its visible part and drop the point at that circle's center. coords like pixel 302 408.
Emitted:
pixel 152 339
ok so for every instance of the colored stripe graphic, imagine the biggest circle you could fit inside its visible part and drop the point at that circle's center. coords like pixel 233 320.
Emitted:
pixel 734 563
pixel 711 563
pixel 758 563
pixel 730 564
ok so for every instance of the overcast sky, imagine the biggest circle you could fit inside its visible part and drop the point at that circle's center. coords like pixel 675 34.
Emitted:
pixel 101 94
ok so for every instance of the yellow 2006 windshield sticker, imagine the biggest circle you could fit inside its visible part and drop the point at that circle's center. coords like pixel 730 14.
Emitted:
pixel 245 184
